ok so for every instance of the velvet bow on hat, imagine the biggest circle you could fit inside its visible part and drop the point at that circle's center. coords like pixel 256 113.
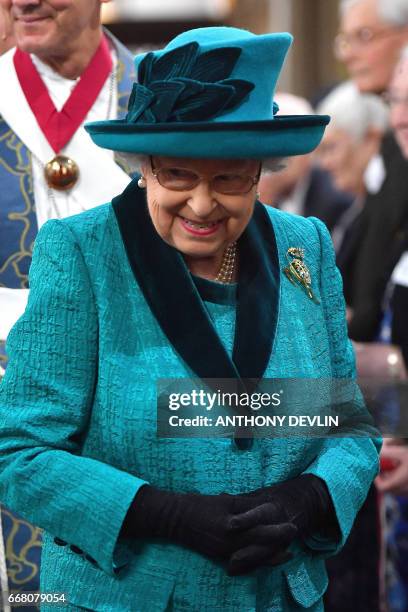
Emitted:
pixel 209 94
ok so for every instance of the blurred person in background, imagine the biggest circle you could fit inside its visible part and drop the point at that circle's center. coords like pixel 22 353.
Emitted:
pixel 6 36
pixel 302 187
pixel 352 139
pixel 372 34
pixel 395 328
pixel 398 101
pixel 64 71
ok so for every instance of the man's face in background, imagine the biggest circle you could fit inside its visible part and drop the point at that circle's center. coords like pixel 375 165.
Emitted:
pixel 368 46
pixel 48 27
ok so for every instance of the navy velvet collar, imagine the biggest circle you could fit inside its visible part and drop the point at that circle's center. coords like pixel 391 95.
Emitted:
pixel 169 290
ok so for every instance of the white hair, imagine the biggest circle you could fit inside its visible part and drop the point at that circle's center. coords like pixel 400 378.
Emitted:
pixel 354 112
pixel 133 162
pixel 393 12
pixel 345 5
pixel 290 104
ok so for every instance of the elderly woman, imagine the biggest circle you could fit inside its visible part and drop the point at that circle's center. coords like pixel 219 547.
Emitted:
pixel 349 150
pixel 184 274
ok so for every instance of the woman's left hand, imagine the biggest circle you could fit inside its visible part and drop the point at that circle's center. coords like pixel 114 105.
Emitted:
pixel 303 502
pixel 274 549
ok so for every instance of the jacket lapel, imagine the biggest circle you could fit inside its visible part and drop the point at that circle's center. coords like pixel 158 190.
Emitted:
pixel 176 304
pixel 168 289
pixel 258 296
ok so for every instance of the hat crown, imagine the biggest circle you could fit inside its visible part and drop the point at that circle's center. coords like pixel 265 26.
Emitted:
pixel 209 95
pixel 215 74
pixel 216 35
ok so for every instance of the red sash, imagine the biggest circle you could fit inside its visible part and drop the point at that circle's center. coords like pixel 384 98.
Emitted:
pixel 59 126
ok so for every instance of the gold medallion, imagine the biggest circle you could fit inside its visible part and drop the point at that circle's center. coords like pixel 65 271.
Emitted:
pixel 61 173
pixel 298 272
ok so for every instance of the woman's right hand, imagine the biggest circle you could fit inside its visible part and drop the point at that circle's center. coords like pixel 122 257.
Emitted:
pixel 203 523
pixel 205 526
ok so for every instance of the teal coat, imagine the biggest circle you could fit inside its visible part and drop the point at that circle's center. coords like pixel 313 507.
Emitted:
pixel 113 308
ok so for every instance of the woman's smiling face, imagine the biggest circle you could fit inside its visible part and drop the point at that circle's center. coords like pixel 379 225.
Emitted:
pixel 199 221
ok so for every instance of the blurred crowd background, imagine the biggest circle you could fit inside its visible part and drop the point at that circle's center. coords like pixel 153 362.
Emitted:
pixel 311 67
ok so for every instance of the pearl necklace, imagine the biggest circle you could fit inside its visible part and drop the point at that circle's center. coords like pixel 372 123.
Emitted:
pixel 226 271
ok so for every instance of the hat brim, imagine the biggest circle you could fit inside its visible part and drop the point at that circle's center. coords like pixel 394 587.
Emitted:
pixel 285 135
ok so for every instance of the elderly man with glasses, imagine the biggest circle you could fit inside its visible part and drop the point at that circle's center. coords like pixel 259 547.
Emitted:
pixel 371 36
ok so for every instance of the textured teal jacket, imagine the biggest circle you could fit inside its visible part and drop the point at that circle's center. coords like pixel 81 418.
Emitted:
pixel 112 308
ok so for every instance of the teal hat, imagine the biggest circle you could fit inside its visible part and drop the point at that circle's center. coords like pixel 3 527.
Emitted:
pixel 209 94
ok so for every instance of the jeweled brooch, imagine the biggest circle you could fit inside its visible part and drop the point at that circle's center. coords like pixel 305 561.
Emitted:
pixel 298 272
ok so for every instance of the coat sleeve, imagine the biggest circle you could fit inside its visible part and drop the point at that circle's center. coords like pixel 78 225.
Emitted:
pixel 348 465
pixel 46 400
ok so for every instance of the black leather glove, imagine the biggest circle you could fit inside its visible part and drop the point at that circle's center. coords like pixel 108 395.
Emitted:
pixel 203 523
pixel 303 501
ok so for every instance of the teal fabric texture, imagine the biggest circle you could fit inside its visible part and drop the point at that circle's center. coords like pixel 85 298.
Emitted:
pixel 78 422
pixel 207 81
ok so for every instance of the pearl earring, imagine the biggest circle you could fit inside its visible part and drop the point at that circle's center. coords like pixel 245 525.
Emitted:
pixel 141 182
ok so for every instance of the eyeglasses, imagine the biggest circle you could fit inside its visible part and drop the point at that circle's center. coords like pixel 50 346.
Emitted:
pixel 359 39
pixel 182 179
pixel 393 100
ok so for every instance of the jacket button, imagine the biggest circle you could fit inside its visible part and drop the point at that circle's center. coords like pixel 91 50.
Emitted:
pixel 76 549
pixel 60 542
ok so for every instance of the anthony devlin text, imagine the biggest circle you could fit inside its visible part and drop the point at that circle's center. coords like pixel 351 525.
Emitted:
pixel 240 420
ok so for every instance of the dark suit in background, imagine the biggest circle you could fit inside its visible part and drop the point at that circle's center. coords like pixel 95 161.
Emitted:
pixel 323 200
pixel 374 244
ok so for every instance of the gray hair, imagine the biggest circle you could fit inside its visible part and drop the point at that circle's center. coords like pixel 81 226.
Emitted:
pixel 354 112
pixel 133 162
pixel 393 12
pixel 290 104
